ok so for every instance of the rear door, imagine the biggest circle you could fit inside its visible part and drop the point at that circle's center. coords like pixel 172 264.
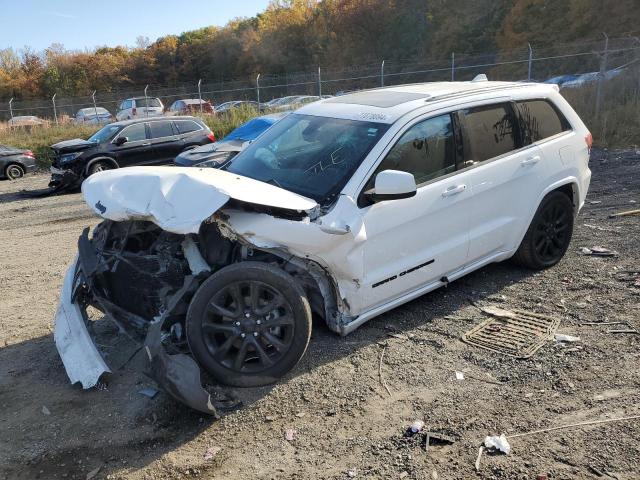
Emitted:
pixel 165 141
pixel 505 178
pixel 137 149
pixel 416 241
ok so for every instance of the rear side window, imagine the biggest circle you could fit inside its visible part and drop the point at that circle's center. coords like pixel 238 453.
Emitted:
pixel 489 131
pixel 426 150
pixel 539 120
pixel 186 126
pixel 161 129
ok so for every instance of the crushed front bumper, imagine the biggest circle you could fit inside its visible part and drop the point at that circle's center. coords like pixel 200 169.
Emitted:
pixel 177 374
pixel 81 358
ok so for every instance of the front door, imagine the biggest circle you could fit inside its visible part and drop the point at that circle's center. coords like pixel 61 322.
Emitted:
pixel 137 149
pixel 416 241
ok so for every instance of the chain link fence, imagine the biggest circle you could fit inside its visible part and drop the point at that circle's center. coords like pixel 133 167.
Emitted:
pixel 566 64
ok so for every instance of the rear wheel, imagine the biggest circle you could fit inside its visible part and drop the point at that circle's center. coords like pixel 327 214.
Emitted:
pixel 549 234
pixel 249 324
pixel 100 166
pixel 14 171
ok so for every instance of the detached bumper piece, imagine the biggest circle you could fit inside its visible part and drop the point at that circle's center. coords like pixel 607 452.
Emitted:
pixel 61 181
pixel 177 374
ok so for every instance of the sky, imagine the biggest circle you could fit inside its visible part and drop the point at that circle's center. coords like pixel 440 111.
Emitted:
pixel 80 24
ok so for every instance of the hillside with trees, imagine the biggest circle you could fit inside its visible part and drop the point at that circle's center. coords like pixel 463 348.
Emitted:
pixel 297 35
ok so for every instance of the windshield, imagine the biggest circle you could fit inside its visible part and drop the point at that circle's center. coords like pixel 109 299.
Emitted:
pixel 308 155
pixel 104 134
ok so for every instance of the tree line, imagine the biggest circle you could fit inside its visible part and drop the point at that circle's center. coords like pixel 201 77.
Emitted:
pixel 296 35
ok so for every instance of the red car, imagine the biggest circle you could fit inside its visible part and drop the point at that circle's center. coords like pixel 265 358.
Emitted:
pixel 190 106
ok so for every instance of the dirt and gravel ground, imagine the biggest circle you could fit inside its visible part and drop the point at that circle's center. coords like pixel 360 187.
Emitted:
pixel 346 424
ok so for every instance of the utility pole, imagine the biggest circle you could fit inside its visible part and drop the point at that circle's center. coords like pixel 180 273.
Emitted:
pixel 258 90
pixel 319 83
pixel 382 74
pixel 55 113
pixel 200 95
pixel 11 108
pixel 601 75
pixel 530 62
pixel 453 66
pixel 95 108
pixel 146 101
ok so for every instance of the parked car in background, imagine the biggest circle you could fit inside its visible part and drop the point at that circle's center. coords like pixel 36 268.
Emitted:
pixel 15 162
pixel 216 154
pixel 293 103
pixel 189 106
pixel 343 210
pixel 93 115
pixel 225 107
pixel 27 121
pixel 152 141
pixel 139 107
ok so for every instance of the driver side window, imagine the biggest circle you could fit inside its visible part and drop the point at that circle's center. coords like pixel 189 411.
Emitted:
pixel 426 150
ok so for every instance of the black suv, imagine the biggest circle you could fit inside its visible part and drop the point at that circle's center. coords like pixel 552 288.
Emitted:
pixel 149 141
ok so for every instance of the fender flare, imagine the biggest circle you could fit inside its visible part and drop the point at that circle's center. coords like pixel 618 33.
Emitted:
pixel 100 159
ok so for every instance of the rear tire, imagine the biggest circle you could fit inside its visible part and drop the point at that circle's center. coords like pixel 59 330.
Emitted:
pixel 14 171
pixel 99 166
pixel 549 233
pixel 249 324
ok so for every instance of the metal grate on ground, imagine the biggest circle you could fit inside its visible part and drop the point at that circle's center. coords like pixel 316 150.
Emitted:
pixel 515 333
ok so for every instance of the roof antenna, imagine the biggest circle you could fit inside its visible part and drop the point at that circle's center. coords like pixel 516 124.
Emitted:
pixel 480 78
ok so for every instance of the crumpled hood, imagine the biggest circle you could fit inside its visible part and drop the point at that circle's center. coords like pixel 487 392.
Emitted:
pixel 72 145
pixel 179 199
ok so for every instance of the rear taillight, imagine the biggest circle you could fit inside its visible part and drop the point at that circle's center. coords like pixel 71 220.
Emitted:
pixel 133 111
pixel 29 153
pixel 589 141
pixel 211 137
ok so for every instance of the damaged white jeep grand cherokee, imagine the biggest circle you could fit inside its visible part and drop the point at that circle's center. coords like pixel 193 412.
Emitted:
pixel 345 209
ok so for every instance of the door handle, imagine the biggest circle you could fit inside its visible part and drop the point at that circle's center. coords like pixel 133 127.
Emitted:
pixel 454 190
pixel 530 160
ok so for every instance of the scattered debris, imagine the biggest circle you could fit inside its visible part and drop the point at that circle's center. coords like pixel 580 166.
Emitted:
pixel 290 435
pixel 604 323
pixel 595 202
pixel 211 452
pixel 573 425
pixel 626 330
pixel 498 443
pixel 45 410
pixel 631 276
pixel 399 336
pixel 480 450
pixel 624 214
pixel 352 473
pixel 93 473
pixel 384 384
pixel 414 428
pixel 437 438
pixel 597 251
pixel 149 392
pixel 459 375
pixel 516 333
pixel 560 337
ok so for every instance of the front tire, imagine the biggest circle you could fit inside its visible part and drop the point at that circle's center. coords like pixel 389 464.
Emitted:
pixel 249 324
pixel 14 172
pixel 549 233
pixel 100 166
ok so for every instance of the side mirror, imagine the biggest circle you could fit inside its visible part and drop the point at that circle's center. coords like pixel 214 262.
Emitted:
pixel 392 185
pixel 121 140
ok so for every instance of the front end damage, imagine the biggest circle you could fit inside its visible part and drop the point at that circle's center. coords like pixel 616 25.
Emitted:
pixel 142 278
pixel 164 234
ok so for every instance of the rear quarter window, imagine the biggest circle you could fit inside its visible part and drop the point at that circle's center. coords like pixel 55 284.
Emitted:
pixel 488 131
pixel 539 119
pixel 186 126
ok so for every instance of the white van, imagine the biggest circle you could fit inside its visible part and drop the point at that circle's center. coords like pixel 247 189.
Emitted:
pixel 139 107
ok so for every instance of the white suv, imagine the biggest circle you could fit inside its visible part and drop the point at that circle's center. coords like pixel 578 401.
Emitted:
pixel 139 107
pixel 345 209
